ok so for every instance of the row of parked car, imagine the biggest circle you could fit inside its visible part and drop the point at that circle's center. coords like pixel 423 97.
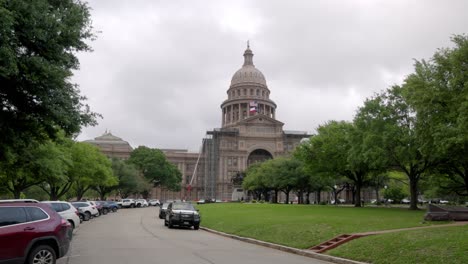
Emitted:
pixel 132 203
pixel 40 232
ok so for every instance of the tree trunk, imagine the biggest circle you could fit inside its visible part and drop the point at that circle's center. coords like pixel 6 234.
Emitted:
pixel 357 202
pixel 413 192
pixel 308 197
pixel 17 193
pixel 287 196
pixel 318 197
pixel 377 195
pixel 276 197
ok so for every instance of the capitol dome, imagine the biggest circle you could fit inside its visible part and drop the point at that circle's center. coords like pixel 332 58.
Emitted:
pixel 248 73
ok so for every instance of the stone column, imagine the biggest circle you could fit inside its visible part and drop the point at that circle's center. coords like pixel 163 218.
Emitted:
pixel 240 111
pixel 224 116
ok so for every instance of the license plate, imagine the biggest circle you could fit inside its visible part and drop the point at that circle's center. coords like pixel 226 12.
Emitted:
pixel 186 223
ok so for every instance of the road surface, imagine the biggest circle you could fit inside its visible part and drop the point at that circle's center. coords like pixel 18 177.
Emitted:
pixel 138 236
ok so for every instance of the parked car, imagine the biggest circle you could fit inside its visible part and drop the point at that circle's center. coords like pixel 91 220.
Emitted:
pixel 19 201
pixel 83 216
pixel 32 233
pixel 98 206
pixel 154 202
pixel 128 203
pixel 182 214
pixel 67 211
pixel 443 202
pixel 113 206
pixel 162 210
pixel 105 208
pixel 88 209
pixel 141 203
pixel 406 201
pixel 201 201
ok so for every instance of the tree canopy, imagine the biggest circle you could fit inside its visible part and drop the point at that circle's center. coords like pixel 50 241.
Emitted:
pixel 154 166
pixel 38 43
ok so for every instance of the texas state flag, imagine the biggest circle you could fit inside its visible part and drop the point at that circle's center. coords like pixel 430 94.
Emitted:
pixel 253 107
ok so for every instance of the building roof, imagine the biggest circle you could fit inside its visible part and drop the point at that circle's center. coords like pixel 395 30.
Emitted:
pixel 108 138
pixel 248 73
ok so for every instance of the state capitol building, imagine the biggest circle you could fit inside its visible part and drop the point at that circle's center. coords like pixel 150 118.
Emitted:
pixel 249 133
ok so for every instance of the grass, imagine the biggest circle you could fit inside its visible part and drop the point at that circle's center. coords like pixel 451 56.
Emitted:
pixel 303 226
pixel 435 245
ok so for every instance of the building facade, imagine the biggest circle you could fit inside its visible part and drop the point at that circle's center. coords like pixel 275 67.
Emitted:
pixel 249 133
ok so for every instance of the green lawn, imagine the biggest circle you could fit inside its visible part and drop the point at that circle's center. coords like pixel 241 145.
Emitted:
pixel 435 245
pixel 303 226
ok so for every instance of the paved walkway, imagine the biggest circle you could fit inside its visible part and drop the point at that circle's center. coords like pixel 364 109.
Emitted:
pixel 461 223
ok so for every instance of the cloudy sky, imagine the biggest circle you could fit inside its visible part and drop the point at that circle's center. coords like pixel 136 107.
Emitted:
pixel 161 69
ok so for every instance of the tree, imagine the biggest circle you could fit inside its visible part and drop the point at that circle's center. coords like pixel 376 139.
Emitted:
pixel 336 152
pixel 256 179
pixel 32 166
pixel 155 168
pixel 56 184
pixel 90 168
pixel 38 43
pixel 438 91
pixel 127 176
pixel 394 136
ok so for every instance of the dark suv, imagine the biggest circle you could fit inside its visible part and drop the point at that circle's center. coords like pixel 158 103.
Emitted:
pixel 182 214
pixel 32 233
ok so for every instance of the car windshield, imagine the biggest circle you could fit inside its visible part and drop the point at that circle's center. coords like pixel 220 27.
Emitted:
pixel 182 206
pixel 165 205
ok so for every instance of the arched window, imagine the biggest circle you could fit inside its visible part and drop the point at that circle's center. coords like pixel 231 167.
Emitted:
pixel 258 92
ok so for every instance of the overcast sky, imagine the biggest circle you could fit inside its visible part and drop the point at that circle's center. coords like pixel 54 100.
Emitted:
pixel 160 69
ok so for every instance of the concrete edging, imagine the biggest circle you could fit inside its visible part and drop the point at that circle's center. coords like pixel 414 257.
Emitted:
pixel 306 253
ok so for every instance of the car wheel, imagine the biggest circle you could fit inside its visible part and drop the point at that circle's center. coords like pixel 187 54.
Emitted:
pixel 81 218
pixel 104 211
pixel 170 225
pixel 87 216
pixel 165 223
pixel 72 224
pixel 132 206
pixel 42 254
pixel 196 227
pixel 114 209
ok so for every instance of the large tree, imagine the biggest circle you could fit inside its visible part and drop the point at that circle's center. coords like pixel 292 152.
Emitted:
pixel 154 166
pixel 337 152
pixel 438 91
pixel 90 168
pixel 394 132
pixel 38 45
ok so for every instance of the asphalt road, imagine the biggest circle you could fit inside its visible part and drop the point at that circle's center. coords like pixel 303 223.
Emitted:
pixel 138 236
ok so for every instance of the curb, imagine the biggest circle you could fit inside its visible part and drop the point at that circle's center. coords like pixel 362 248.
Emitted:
pixel 305 253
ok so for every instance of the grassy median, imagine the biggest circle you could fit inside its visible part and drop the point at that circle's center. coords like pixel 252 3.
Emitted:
pixel 303 226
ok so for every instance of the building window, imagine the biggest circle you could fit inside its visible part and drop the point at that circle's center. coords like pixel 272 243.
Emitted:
pixel 251 92
pixel 258 92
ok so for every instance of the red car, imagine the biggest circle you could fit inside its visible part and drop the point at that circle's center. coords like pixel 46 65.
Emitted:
pixel 32 233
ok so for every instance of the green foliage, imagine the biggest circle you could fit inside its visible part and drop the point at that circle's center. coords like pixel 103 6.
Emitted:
pixel 90 169
pixel 154 166
pixel 31 166
pixel 128 177
pixel 438 91
pixel 337 151
pixel 38 43
pixel 395 193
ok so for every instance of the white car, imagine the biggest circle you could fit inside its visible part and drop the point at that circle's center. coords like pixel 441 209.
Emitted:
pixel 87 208
pixel 127 203
pixel 154 202
pixel 141 203
pixel 66 211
